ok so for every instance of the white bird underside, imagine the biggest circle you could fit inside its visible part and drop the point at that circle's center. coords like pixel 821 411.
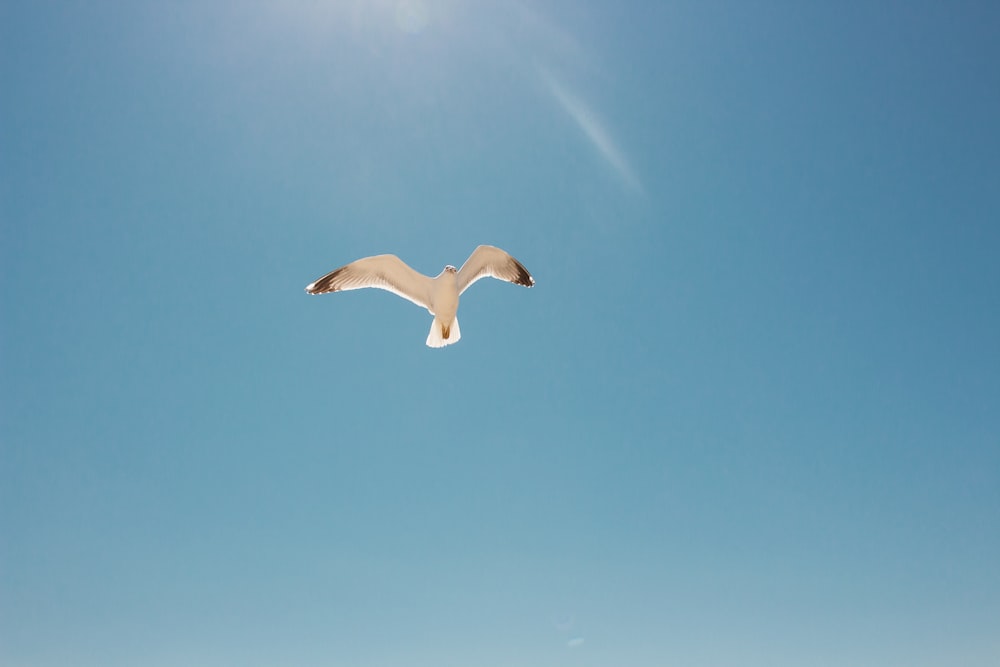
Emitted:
pixel 438 295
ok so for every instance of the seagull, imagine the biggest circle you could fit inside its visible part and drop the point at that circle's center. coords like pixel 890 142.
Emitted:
pixel 438 295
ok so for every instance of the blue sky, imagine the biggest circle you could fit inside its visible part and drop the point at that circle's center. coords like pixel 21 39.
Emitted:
pixel 750 413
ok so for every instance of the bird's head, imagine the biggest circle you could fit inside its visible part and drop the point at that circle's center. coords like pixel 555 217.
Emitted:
pixel 450 269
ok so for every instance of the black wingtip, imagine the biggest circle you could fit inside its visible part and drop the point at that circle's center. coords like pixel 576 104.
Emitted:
pixel 322 286
pixel 523 277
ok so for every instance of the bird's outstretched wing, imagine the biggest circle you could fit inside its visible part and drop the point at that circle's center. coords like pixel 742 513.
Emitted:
pixel 386 272
pixel 495 263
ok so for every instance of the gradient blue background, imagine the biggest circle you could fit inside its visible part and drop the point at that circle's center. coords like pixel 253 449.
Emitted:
pixel 749 415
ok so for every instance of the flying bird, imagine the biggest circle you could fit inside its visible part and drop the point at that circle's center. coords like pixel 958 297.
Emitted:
pixel 438 295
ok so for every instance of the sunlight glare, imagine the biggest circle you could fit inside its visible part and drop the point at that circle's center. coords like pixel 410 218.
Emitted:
pixel 411 16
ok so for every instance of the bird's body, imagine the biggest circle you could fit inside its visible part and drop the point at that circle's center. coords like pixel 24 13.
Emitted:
pixel 438 295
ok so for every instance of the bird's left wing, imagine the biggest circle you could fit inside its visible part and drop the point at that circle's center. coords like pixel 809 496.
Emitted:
pixel 386 272
pixel 488 261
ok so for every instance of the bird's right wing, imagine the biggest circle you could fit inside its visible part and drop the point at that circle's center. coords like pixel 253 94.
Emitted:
pixel 386 272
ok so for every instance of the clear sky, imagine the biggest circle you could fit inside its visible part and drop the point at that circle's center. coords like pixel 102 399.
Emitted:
pixel 749 415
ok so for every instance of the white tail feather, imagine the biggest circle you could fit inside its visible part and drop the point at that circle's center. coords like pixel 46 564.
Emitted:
pixel 436 337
